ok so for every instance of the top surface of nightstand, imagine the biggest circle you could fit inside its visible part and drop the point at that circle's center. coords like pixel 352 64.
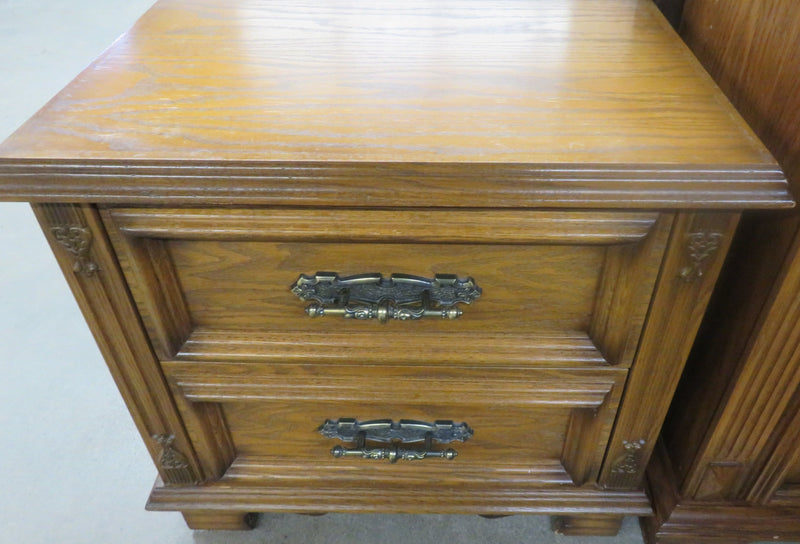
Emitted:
pixel 570 84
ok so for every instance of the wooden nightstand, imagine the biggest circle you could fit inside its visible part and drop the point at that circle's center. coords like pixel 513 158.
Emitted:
pixel 506 221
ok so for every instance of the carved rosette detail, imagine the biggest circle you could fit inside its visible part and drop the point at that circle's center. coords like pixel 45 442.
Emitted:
pixel 626 469
pixel 77 241
pixel 700 247
pixel 174 466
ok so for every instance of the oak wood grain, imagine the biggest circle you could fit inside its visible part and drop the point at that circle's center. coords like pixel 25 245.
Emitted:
pixel 551 81
pixel 505 185
pixel 679 519
pixel 439 138
pixel 246 285
pixel 202 381
pixel 505 435
pixel 520 417
pixel 462 500
pixel 405 225
pixel 624 293
pixel 115 323
pixel 585 436
pixel 229 270
pixel 281 472
pixel 731 437
pixel 167 318
pixel 448 98
pixel 751 50
pixel 665 343
pixel 565 349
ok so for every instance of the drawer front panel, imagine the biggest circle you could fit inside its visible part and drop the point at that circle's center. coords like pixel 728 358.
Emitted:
pixel 538 426
pixel 566 278
pixel 245 285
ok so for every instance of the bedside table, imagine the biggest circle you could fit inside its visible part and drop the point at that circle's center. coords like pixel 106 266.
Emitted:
pixel 381 258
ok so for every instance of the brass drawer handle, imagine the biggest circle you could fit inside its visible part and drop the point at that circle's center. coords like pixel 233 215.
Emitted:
pixel 371 296
pixel 386 430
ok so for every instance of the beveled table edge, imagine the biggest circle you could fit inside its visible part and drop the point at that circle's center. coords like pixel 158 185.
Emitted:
pixel 400 184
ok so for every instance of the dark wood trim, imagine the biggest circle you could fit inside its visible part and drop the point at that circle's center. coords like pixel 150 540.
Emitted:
pixel 680 520
pixel 672 10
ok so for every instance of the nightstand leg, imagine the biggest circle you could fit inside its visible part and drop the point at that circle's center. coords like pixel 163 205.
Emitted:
pixel 587 524
pixel 211 520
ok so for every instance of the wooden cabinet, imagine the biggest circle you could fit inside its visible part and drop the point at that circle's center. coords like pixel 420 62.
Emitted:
pixel 561 179
pixel 728 468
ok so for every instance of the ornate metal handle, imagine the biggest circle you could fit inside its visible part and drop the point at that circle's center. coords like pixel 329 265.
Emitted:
pixel 404 431
pixel 371 296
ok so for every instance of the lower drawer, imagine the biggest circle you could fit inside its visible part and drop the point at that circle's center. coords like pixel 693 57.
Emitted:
pixel 530 427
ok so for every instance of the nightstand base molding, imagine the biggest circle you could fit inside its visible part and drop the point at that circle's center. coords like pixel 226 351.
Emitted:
pixel 557 501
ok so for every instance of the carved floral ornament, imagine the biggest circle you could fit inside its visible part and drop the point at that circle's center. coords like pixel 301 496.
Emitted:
pixel 700 247
pixel 628 462
pixel 174 466
pixel 77 241
pixel 627 468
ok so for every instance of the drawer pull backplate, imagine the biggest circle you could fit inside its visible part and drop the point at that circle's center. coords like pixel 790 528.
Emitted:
pixel 403 432
pixel 371 296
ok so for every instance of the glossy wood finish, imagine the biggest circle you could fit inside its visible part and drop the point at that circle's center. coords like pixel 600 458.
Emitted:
pixel 512 447
pixel 664 346
pixel 238 356
pixel 387 83
pixel 418 225
pixel 525 422
pixel 557 103
pixel 728 472
pixel 570 155
pixel 194 272
pixel 505 185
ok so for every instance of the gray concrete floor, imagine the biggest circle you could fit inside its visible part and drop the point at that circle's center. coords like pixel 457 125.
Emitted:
pixel 73 467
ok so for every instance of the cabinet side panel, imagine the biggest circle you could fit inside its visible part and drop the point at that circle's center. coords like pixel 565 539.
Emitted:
pixel 749 47
pixel 79 241
pixel 696 249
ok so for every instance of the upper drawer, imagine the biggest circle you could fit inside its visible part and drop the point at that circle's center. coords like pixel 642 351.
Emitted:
pixel 557 288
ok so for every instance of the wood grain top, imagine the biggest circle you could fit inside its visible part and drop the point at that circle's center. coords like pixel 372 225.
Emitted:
pixel 578 85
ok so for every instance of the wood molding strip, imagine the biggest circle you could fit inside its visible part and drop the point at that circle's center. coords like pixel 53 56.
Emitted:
pixel 337 225
pixel 251 470
pixel 221 382
pixel 394 184
pixel 461 500
pixel 575 350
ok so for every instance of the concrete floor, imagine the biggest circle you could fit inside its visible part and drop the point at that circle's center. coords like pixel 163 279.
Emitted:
pixel 74 469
